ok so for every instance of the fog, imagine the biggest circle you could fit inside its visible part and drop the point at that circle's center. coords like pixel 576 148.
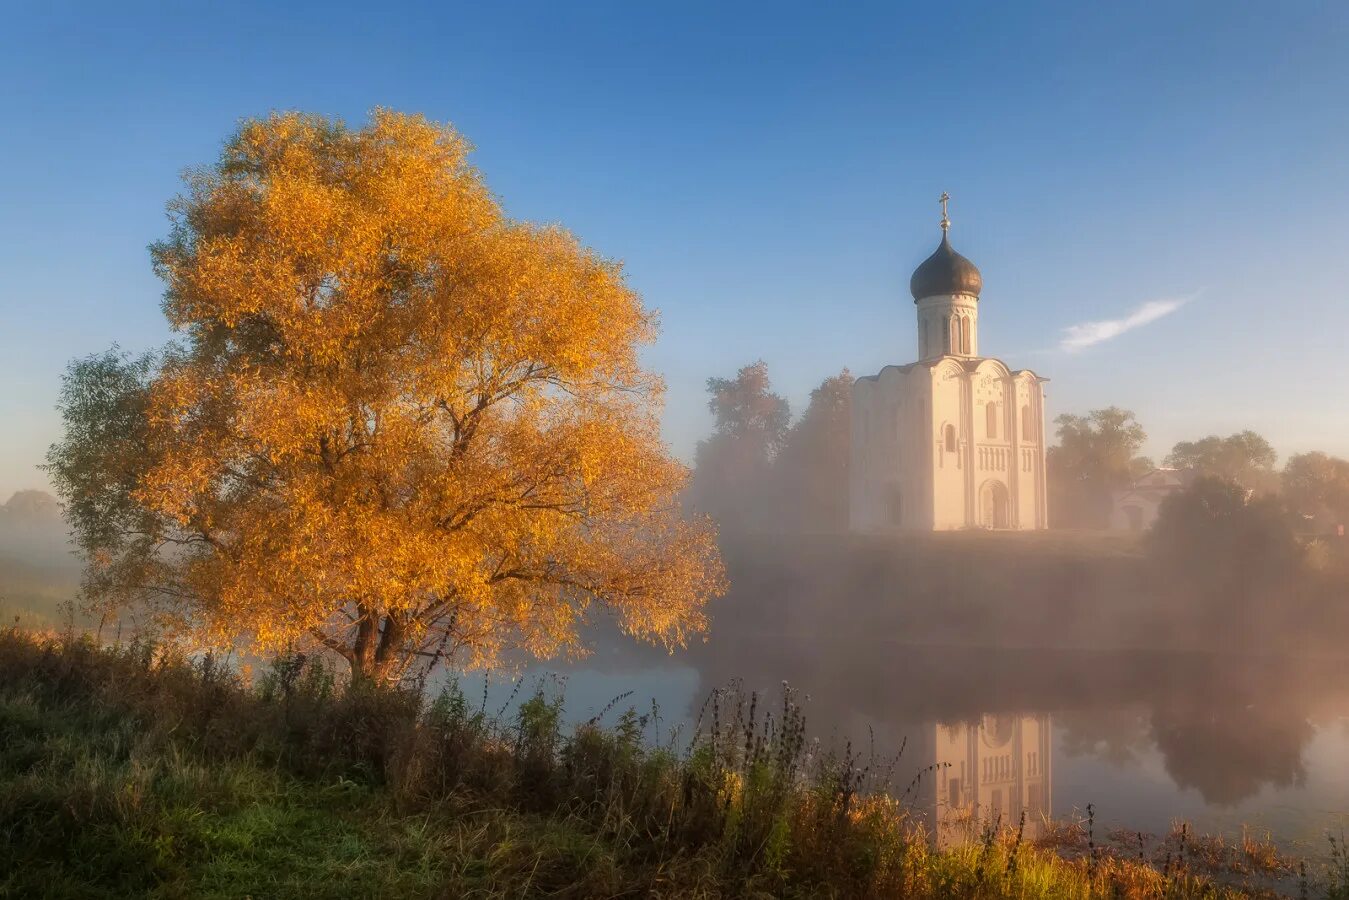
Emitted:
pixel 1195 669
pixel 39 575
pixel 1148 695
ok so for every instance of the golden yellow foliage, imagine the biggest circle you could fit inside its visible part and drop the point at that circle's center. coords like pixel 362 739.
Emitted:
pixel 400 417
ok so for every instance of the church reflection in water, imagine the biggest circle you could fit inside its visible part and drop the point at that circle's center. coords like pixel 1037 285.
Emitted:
pixel 988 773
pixel 1143 735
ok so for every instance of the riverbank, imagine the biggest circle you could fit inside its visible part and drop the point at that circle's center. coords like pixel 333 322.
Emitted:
pixel 132 771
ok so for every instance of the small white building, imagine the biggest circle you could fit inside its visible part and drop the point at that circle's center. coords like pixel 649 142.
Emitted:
pixel 1136 508
pixel 954 440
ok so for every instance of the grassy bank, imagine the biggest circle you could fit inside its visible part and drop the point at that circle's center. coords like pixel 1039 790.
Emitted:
pixel 133 771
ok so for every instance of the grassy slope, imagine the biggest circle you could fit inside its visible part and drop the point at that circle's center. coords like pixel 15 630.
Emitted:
pixel 133 773
pixel 99 799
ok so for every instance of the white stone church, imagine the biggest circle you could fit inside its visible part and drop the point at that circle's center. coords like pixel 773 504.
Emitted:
pixel 954 440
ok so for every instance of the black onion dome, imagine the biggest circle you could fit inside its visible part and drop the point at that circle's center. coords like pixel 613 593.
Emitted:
pixel 945 272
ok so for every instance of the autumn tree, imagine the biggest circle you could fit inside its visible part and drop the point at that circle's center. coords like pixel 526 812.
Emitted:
pixel 1096 454
pixel 395 421
pixel 1244 458
pixel 732 467
pixel 811 471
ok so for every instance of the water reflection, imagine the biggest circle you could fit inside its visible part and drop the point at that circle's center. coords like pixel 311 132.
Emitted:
pixel 1228 751
pixel 991 772
pixel 1224 726
pixel 1221 739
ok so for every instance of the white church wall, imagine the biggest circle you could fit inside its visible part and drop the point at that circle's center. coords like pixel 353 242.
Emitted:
pixel 993 457
pixel 918 485
pixel 901 497
pixel 906 475
pixel 949 470
pixel 1025 419
pixel 884 493
pixel 888 489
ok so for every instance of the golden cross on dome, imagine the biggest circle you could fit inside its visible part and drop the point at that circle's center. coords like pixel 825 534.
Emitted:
pixel 945 221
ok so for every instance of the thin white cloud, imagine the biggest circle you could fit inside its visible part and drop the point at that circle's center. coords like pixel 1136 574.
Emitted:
pixel 1077 338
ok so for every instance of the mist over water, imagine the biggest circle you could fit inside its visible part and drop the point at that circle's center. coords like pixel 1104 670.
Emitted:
pixel 1053 671
pixel 1016 672
pixel 38 571
pixel 1223 740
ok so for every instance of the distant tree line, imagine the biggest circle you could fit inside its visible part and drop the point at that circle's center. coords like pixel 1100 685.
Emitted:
pixel 1097 454
pixel 1226 547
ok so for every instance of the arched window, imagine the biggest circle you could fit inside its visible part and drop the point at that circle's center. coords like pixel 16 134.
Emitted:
pixel 1027 426
pixel 946 334
pixel 991 419
pixel 965 334
pixel 955 334
pixel 950 439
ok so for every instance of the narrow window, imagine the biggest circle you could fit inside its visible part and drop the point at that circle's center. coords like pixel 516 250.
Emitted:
pixel 950 439
pixel 1027 432
pixel 991 415
pixel 946 334
pixel 965 334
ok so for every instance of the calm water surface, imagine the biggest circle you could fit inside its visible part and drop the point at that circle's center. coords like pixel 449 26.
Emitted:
pixel 1221 740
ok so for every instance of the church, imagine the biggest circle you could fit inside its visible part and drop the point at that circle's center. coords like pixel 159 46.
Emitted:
pixel 954 440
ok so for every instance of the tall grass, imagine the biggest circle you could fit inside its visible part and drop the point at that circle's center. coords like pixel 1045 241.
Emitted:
pixel 138 771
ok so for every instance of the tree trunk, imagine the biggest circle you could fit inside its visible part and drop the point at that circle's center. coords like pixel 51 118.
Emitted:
pixel 363 650
pixel 389 654
pixel 378 655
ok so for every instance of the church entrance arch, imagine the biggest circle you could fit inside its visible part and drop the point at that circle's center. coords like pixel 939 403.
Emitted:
pixel 994 506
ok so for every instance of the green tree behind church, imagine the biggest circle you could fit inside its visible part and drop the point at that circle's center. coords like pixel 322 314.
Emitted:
pixel 811 471
pixel 1096 455
pixel 733 466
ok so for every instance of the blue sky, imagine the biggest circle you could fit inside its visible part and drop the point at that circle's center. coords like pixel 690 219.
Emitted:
pixel 769 175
